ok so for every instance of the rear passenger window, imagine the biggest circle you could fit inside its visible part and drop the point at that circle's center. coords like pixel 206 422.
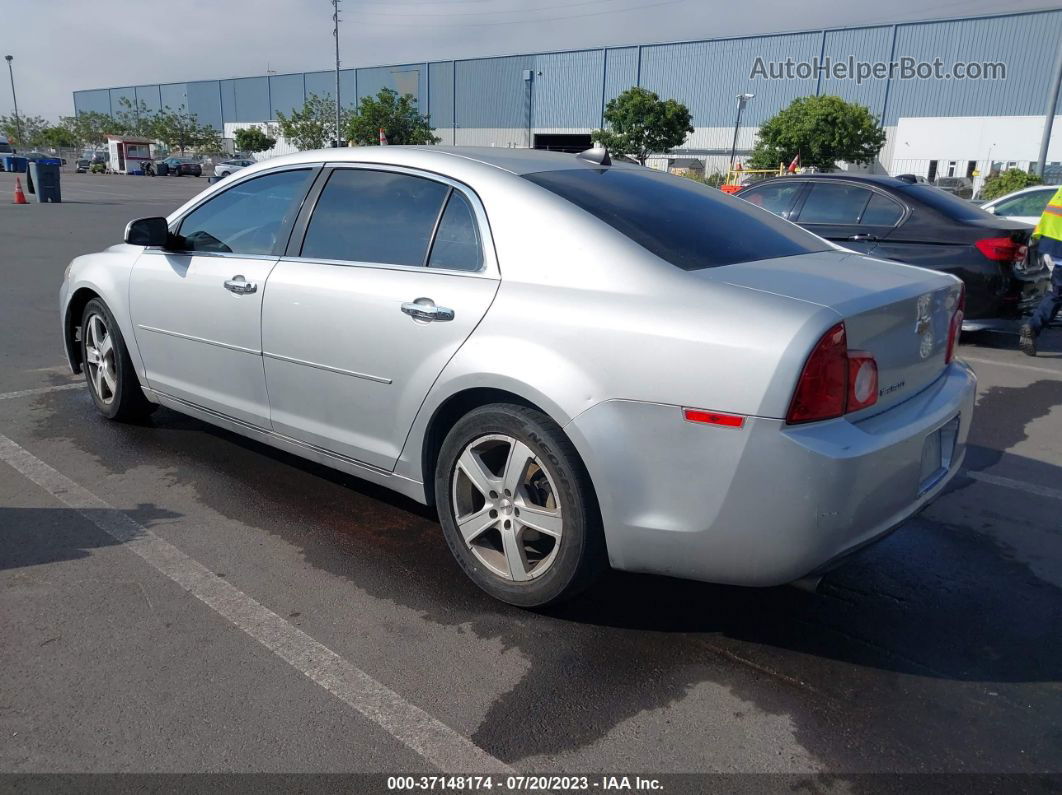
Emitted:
pixel 881 211
pixel 374 216
pixel 834 203
pixel 456 243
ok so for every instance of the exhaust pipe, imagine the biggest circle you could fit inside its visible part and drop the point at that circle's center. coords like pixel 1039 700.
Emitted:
pixel 809 583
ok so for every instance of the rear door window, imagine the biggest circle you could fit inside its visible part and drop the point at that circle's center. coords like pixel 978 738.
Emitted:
pixel 457 245
pixel 365 215
pixel 881 211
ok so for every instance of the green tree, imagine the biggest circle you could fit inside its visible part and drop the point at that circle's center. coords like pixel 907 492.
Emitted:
pixel 1003 182
pixel 639 123
pixel 32 127
pixel 136 119
pixel 822 130
pixel 254 139
pixel 91 128
pixel 313 126
pixel 396 115
pixel 58 136
pixel 180 129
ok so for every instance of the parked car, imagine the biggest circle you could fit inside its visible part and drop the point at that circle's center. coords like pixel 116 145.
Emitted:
pixel 183 166
pixel 226 167
pixel 622 367
pixel 1025 205
pixel 959 186
pixel 912 178
pixel 918 224
pixel 82 165
pixel 37 156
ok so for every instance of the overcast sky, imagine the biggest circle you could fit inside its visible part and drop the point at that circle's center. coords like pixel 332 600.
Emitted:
pixel 66 45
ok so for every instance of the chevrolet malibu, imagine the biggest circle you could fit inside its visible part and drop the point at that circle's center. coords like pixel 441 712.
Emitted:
pixel 578 363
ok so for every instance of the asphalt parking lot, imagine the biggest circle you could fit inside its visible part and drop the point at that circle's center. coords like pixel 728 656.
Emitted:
pixel 132 558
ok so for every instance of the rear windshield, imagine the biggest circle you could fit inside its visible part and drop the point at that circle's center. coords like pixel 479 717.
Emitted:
pixel 683 222
pixel 943 202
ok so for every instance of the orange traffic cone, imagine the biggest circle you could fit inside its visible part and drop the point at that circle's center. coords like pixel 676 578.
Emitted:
pixel 20 197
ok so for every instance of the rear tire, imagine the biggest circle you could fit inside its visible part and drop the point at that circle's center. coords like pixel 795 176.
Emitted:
pixel 517 507
pixel 109 372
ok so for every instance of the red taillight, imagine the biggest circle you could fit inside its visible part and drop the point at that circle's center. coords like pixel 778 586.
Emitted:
pixel 835 380
pixel 714 418
pixel 822 390
pixel 955 326
pixel 1002 249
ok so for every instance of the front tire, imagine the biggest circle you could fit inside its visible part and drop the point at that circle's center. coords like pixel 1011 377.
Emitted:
pixel 517 507
pixel 109 371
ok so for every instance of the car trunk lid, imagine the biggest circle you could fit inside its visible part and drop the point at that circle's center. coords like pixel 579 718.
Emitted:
pixel 898 313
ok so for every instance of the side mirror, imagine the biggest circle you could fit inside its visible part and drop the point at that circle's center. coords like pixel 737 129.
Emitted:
pixel 147 232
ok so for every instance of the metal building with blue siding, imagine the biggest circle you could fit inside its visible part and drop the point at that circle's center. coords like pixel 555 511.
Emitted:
pixel 935 126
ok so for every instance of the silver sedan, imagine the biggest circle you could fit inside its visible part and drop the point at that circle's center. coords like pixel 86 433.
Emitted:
pixel 579 363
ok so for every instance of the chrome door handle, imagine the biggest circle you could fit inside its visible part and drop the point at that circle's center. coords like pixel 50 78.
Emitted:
pixel 425 309
pixel 239 285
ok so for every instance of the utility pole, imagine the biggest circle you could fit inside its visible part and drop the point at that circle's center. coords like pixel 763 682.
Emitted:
pixel 335 32
pixel 18 122
pixel 742 100
pixel 1049 116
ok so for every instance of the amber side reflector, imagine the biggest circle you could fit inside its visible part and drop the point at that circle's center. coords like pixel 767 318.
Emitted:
pixel 714 418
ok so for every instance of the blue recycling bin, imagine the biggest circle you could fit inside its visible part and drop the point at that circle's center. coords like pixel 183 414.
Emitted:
pixel 15 163
pixel 44 180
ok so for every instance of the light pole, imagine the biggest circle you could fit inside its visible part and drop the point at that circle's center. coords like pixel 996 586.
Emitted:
pixel 335 32
pixel 742 99
pixel 11 73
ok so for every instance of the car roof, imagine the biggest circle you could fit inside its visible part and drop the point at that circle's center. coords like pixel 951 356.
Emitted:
pixel 870 179
pixel 514 161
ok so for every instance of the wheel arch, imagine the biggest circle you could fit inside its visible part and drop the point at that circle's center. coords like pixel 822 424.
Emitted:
pixel 456 405
pixel 75 308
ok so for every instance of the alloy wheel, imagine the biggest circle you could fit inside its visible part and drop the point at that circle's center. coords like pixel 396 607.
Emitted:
pixel 100 359
pixel 506 507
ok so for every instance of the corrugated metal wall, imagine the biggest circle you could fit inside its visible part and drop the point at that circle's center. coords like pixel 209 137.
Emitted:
pixel 1026 43
pixel 866 44
pixel 569 89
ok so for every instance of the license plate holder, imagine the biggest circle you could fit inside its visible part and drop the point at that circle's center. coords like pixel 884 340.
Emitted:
pixel 938 450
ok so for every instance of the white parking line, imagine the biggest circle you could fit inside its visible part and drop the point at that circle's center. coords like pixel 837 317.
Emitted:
pixel 1015 365
pixel 1019 485
pixel 44 390
pixel 436 742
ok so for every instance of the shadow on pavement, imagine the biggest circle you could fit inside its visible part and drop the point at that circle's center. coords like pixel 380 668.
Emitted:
pixel 39 536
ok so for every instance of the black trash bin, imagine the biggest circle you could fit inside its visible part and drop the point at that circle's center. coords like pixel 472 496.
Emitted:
pixel 44 176
pixel 162 168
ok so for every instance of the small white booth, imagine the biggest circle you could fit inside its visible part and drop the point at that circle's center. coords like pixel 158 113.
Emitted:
pixel 128 153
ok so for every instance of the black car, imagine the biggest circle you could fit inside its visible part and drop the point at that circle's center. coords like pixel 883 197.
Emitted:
pixel 182 166
pixel 38 156
pixel 918 224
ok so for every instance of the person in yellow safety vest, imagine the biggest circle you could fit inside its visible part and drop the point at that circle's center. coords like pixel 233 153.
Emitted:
pixel 1049 233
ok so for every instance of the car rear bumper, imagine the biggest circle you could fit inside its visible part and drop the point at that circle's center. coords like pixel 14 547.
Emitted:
pixel 768 503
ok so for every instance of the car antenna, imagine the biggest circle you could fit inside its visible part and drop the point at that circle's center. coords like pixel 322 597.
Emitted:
pixel 597 154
